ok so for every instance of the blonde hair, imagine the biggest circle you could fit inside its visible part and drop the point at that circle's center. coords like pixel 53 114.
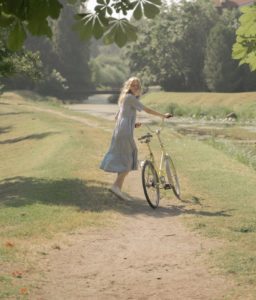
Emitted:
pixel 126 89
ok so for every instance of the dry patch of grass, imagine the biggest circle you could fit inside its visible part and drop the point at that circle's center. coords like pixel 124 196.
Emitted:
pixel 50 182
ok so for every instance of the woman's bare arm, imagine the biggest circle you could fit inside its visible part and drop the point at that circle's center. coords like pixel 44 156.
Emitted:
pixel 156 113
pixel 116 116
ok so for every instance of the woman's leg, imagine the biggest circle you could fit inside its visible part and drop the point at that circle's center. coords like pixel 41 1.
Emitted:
pixel 120 179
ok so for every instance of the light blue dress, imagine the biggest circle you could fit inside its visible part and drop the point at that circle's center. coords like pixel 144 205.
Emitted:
pixel 122 155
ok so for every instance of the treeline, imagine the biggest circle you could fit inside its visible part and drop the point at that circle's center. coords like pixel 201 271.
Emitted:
pixel 188 47
pixel 65 66
pixel 63 62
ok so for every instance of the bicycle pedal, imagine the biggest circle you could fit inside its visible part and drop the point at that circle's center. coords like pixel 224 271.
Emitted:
pixel 167 186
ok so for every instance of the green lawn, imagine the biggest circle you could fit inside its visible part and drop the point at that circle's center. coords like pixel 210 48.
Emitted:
pixel 50 184
pixel 225 190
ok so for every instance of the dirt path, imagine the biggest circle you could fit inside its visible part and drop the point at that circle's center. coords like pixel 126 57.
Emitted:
pixel 148 255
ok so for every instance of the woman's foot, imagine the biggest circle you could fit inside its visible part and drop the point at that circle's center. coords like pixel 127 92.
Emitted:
pixel 116 190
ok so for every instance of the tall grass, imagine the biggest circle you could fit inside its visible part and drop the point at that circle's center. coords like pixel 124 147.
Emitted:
pixel 244 154
pixel 209 105
pixel 219 112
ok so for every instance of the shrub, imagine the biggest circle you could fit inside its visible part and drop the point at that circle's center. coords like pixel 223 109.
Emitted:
pixel 113 98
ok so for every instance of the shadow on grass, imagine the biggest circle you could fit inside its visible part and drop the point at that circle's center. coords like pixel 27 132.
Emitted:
pixel 5 129
pixel 85 195
pixel 16 113
pixel 37 136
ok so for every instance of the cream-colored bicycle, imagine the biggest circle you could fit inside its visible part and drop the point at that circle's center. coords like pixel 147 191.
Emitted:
pixel 156 178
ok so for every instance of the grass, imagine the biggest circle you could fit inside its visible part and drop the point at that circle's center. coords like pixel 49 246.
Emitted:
pixel 244 154
pixel 215 105
pixel 218 195
pixel 236 141
pixel 50 184
pixel 225 189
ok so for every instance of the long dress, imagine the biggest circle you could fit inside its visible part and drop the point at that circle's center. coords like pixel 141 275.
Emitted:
pixel 122 155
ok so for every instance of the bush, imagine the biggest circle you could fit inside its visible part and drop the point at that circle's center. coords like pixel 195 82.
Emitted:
pixel 54 84
pixel 197 111
pixel 113 98
pixel 177 110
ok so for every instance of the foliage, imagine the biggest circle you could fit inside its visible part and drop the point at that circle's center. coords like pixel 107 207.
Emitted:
pixel 188 47
pixel 108 71
pixel 27 63
pixel 21 64
pixel 113 98
pixel 53 84
pixel 170 49
pixel 245 47
pixel 72 56
pixel 65 61
pixel 221 72
pixel 35 16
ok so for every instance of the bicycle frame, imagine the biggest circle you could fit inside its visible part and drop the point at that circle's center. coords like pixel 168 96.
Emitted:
pixel 165 175
pixel 160 170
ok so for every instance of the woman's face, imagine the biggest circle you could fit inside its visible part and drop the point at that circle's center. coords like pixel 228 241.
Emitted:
pixel 135 88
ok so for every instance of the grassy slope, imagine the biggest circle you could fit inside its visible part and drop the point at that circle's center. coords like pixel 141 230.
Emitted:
pixel 219 202
pixel 50 184
pixel 244 104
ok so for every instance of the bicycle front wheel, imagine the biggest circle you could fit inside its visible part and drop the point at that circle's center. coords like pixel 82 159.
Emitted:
pixel 172 176
pixel 150 184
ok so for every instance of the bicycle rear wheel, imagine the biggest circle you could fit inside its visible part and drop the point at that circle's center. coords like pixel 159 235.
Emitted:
pixel 172 176
pixel 150 184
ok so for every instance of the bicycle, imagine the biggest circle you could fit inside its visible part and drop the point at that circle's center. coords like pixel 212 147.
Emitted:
pixel 155 178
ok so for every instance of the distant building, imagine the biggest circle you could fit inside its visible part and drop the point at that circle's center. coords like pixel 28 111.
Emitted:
pixel 229 4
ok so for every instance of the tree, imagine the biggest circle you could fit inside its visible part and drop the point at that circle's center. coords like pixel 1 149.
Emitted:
pixel 222 73
pixel 21 64
pixel 72 56
pixel 108 71
pixel 65 61
pixel 245 47
pixel 21 17
pixel 171 47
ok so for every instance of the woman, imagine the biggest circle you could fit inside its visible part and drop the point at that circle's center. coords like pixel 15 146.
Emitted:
pixel 121 157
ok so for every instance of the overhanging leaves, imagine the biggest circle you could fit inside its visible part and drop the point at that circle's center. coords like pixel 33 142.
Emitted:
pixel 89 25
pixel 6 20
pixel 150 8
pixel 245 47
pixel 34 16
pixel 16 37
pixel 120 32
